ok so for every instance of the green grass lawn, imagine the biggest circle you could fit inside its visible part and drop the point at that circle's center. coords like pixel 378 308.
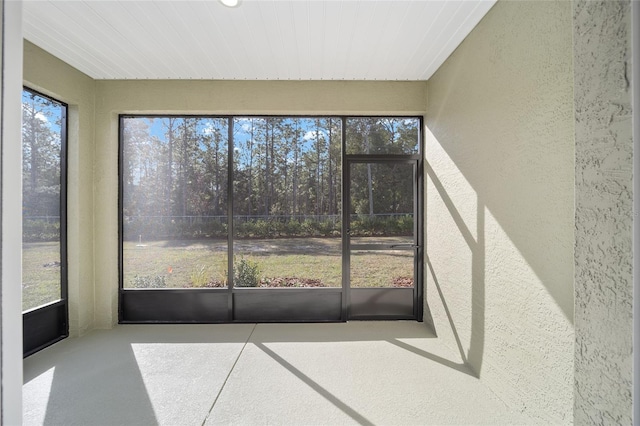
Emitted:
pixel 203 263
pixel 40 274
pixel 198 263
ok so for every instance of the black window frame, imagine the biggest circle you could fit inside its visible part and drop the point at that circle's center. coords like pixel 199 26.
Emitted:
pixel 222 305
pixel 45 325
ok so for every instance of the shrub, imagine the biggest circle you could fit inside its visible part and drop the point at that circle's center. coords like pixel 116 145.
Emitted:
pixel 293 228
pixel 165 228
pixel 405 225
pixel 324 228
pixel 365 226
pixel 148 281
pixel 40 230
pixel 264 227
pixel 308 228
pixel 246 273
pixel 261 228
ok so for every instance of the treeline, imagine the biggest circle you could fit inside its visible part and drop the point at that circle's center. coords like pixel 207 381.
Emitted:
pixel 287 166
pixel 284 169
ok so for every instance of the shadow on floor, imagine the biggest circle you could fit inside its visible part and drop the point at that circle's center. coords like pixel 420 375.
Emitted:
pixel 316 387
pixel 97 382
pixel 136 374
pixel 120 376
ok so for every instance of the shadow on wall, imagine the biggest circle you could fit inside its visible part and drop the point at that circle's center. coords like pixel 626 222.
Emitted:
pixel 507 126
pixel 525 213
pixel 499 150
pixel 473 358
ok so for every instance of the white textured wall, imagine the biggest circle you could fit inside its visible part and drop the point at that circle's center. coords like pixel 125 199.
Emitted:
pixel 499 209
pixel 11 167
pixel 213 97
pixel 51 76
pixel 604 217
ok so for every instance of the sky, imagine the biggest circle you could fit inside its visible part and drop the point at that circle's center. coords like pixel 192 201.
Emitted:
pixel 50 114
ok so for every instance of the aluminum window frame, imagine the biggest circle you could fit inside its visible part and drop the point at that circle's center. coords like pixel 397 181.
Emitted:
pixel 49 323
pixel 234 293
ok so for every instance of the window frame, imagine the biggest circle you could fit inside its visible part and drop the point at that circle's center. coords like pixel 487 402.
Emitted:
pixel 237 304
pixel 49 323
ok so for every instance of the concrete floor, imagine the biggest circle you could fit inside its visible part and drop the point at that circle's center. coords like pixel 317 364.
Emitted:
pixel 325 374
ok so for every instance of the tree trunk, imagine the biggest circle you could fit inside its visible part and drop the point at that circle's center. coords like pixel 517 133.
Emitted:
pixel 295 171
pixel 318 185
pixel 369 177
pixel 250 183
pixel 170 168
pixel 331 189
pixel 183 172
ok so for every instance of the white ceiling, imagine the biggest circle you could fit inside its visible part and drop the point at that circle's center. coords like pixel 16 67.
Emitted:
pixel 258 40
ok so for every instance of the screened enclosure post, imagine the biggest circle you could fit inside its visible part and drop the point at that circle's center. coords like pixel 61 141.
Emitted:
pixel 421 217
pixel 416 238
pixel 230 239
pixel 64 264
pixel 120 217
pixel 420 245
pixel 345 224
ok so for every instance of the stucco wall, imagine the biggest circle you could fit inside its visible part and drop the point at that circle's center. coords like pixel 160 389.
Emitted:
pixel 49 75
pixel 604 217
pixel 499 209
pixel 213 97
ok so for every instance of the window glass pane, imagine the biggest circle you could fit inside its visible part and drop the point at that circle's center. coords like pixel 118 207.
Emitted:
pixel 43 122
pixel 383 135
pixel 174 198
pixel 287 202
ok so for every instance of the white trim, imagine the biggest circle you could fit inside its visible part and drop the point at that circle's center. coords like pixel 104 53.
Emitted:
pixel 10 135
